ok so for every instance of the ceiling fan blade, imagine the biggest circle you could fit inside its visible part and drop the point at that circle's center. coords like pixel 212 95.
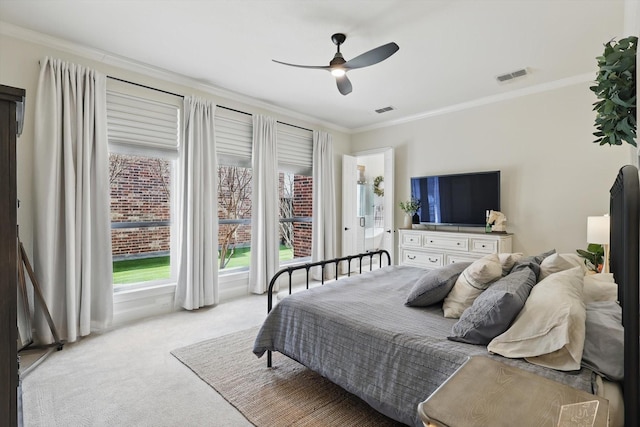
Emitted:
pixel 344 85
pixel 373 56
pixel 317 67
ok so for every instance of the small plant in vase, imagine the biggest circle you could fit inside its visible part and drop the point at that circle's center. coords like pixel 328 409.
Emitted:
pixel 410 208
pixel 593 257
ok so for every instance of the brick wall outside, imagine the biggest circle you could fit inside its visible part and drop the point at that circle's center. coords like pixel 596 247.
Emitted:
pixel 140 193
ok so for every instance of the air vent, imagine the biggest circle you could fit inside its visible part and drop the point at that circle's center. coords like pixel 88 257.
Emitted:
pixel 385 109
pixel 513 75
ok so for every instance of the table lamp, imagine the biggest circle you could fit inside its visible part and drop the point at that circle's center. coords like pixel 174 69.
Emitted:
pixel 598 232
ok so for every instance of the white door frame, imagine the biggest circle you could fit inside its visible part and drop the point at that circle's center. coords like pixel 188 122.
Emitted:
pixel 349 174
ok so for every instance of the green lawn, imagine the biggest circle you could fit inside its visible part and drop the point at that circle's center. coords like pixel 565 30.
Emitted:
pixel 157 268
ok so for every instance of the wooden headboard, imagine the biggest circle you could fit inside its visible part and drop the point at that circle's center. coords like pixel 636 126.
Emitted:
pixel 624 255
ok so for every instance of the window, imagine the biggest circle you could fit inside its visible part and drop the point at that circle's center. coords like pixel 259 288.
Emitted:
pixel 143 143
pixel 295 148
pixel 234 134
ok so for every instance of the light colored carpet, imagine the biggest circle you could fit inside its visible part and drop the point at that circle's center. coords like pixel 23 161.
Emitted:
pixel 128 377
pixel 287 395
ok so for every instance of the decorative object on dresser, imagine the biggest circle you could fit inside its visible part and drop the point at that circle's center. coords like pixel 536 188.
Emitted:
pixel 11 102
pixel 410 208
pixel 431 249
pixel 497 221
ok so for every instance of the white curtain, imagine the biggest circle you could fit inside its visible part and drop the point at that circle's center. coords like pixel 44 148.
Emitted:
pixel 198 209
pixel 324 207
pixel 72 236
pixel 264 204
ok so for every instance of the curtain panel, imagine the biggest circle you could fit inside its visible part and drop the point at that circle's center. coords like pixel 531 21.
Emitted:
pixel 198 208
pixel 264 204
pixel 72 237
pixel 323 231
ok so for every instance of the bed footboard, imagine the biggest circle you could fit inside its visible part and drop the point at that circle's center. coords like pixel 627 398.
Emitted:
pixel 307 266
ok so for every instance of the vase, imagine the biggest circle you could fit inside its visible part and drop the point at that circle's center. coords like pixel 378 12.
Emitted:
pixel 408 220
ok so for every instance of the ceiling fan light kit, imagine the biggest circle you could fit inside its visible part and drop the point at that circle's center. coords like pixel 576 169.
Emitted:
pixel 338 66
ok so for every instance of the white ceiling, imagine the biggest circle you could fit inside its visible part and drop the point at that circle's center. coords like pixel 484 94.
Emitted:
pixel 450 51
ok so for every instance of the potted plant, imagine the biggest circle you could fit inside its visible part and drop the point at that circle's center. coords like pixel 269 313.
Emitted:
pixel 410 208
pixel 593 257
pixel 616 91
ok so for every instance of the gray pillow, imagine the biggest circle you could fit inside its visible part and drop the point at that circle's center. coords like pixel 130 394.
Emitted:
pixel 604 340
pixel 533 260
pixel 493 311
pixel 434 285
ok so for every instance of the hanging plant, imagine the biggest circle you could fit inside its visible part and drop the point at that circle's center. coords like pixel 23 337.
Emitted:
pixel 378 190
pixel 616 91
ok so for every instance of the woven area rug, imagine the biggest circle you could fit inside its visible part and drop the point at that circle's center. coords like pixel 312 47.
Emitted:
pixel 288 394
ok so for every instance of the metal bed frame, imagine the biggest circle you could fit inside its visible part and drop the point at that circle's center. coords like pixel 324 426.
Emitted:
pixel 322 264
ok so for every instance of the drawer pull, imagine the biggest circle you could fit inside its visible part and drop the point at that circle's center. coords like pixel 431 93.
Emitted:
pixel 430 241
pixel 458 243
pixel 433 260
pixel 411 256
pixel 483 246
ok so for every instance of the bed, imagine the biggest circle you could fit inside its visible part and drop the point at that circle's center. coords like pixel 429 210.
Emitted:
pixel 358 332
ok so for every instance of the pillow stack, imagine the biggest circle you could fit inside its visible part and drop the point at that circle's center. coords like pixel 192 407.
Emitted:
pixel 470 284
pixel 542 308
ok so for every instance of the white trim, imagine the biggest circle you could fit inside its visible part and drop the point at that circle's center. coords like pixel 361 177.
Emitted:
pixel 148 70
pixel 557 84
pixel 12 30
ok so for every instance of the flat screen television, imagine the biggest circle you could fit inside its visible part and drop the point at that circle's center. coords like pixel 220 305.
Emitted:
pixel 458 199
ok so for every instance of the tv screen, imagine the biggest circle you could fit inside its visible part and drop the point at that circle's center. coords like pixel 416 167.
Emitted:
pixel 460 199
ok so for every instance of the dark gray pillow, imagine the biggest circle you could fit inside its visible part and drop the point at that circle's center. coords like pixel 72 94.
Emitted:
pixel 533 260
pixel 434 285
pixel 604 340
pixel 493 311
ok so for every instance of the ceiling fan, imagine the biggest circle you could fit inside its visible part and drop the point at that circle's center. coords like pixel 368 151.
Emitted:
pixel 339 66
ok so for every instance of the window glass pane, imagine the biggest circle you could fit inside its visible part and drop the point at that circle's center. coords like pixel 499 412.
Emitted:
pixel 234 214
pixel 296 214
pixel 140 218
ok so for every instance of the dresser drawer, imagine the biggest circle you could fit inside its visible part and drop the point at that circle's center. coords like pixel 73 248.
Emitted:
pixel 421 259
pixel 449 243
pixel 454 259
pixel 411 239
pixel 484 246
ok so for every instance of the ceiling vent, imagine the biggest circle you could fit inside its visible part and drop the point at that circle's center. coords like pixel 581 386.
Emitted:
pixel 513 75
pixel 385 109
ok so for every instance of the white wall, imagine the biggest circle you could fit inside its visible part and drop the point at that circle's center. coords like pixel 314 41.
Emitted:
pixel 553 176
pixel 19 67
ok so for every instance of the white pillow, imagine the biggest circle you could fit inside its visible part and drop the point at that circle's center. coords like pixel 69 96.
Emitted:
pixel 550 329
pixel 473 280
pixel 576 260
pixel 553 264
pixel 599 287
pixel 508 260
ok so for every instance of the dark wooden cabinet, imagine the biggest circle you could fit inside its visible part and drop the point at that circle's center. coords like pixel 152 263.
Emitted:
pixel 9 97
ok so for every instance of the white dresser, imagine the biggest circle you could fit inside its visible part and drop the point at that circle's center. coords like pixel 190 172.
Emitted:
pixel 430 249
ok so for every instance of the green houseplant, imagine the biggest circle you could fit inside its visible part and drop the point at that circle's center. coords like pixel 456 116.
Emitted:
pixel 593 256
pixel 409 207
pixel 616 91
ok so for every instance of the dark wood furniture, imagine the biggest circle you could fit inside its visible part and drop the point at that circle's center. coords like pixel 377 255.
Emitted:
pixel 9 97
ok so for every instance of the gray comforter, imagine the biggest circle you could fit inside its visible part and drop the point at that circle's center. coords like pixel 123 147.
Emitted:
pixel 358 333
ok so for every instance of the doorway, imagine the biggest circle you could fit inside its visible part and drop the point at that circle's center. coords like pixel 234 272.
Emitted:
pixel 367 205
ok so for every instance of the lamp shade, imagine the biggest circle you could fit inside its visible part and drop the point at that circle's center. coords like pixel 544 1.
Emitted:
pixel 598 229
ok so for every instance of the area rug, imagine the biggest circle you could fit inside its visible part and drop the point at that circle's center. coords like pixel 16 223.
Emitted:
pixel 288 394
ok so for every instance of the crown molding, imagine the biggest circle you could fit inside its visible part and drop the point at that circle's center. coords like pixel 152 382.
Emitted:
pixel 128 64
pixel 544 87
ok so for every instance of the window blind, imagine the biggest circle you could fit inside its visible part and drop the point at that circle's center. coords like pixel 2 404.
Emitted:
pixel 134 122
pixel 295 150
pixel 234 135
